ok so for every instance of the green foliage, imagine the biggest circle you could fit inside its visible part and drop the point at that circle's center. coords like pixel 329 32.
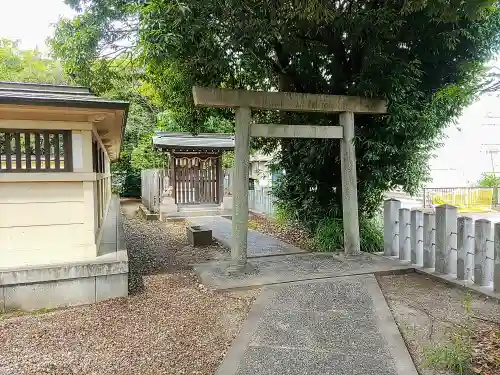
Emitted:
pixel 489 180
pixel 228 159
pixel 18 65
pixel 284 215
pixel 424 57
pixel 144 157
pixel 455 355
pixel 97 50
pixel 136 152
pixel 126 181
pixel 329 235
pixel 98 46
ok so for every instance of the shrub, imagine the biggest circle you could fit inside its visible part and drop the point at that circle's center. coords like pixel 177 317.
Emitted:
pixel 455 355
pixel 284 215
pixel 329 235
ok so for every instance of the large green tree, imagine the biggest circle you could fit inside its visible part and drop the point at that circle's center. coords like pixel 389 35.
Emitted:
pixel 425 57
pixel 24 65
pixel 96 53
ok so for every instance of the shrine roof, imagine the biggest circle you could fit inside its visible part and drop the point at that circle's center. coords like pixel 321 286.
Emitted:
pixel 188 142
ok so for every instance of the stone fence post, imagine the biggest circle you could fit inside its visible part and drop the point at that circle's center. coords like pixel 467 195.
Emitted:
pixel 446 239
pixel 496 269
pixel 465 248
pixel 417 237
pixel 483 251
pixel 429 239
pixel 391 227
pixel 404 234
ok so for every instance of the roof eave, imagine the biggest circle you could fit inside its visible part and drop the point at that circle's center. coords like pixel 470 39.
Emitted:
pixel 192 148
pixel 65 103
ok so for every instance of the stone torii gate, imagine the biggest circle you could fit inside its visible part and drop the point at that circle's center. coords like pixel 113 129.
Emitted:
pixel 244 101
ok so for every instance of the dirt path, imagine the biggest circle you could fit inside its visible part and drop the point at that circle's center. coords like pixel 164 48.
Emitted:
pixel 170 325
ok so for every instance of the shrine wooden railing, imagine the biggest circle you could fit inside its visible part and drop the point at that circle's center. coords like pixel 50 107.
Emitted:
pixel 24 151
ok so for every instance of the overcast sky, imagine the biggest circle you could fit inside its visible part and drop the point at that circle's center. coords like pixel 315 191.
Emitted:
pixel 31 21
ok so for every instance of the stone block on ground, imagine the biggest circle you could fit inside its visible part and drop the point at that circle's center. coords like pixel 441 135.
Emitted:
pixel 483 253
pixel 465 248
pixel 198 236
pixel 404 235
pixel 258 244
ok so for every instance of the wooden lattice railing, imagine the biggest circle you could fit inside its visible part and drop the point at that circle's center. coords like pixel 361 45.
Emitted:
pixel 35 151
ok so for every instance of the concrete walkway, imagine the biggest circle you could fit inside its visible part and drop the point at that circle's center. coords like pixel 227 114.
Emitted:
pixel 312 317
pixel 340 327
pixel 258 244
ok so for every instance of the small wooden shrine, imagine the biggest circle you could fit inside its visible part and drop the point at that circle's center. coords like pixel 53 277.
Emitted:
pixel 195 174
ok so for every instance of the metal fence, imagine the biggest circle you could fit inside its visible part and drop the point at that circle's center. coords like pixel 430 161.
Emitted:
pixel 261 200
pixel 152 186
pixel 464 198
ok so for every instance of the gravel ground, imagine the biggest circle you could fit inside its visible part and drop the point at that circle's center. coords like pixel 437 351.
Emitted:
pixel 170 325
pixel 429 312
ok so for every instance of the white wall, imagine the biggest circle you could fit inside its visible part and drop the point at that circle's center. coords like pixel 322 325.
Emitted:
pixel 464 157
pixel 42 223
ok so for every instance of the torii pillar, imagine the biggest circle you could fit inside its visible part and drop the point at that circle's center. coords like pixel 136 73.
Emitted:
pixel 244 101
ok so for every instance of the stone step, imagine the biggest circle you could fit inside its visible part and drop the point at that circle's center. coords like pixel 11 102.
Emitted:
pixel 198 213
pixel 199 207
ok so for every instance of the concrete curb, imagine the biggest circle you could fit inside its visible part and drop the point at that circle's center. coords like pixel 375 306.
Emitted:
pixel 235 354
pixel 389 330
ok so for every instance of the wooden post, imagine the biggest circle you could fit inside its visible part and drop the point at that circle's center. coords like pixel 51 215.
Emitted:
pixel 240 190
pixel 349 185
pixel 220 180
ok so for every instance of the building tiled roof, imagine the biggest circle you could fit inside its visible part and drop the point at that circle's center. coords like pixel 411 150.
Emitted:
pixel 188 142
pixel 54 95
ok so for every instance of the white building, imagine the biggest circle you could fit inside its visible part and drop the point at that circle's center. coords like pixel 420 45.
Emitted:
pixel 259 169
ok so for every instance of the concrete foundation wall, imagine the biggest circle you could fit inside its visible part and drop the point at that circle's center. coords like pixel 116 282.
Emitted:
pixel 62 293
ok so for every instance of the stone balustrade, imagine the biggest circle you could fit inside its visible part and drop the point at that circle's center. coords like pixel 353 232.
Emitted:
pixel 458 248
